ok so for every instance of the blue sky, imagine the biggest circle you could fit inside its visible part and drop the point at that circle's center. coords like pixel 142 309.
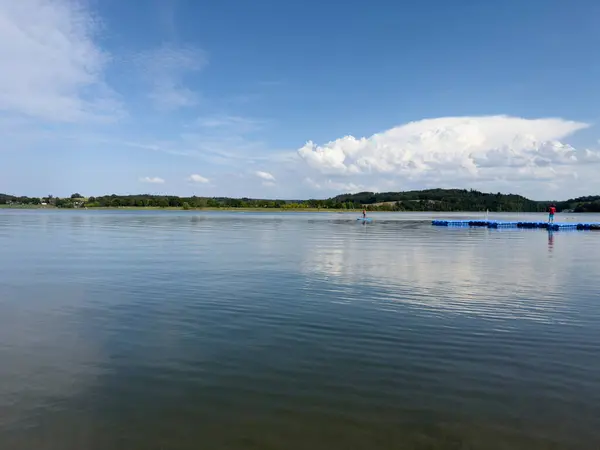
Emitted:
pixel 298 99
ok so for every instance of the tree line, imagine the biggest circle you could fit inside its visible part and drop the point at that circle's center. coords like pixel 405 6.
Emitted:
pixel 581 204
pixel 171 201
pixel 423 200
pixel 209 202
pixel 444 200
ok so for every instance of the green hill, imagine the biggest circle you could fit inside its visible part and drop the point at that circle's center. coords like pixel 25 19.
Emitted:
pixel 581 204
pixel 443 200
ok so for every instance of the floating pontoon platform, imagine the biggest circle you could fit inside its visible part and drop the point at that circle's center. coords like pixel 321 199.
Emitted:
pixel 509 224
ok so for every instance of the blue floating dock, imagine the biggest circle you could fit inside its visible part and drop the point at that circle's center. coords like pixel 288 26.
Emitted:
pixel 508 224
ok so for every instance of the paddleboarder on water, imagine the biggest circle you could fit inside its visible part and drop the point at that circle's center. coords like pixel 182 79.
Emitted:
pixel 364 213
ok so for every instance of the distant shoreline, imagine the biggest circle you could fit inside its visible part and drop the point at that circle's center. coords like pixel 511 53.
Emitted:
pixel 429 200
pixel 179 208
pixel 246 209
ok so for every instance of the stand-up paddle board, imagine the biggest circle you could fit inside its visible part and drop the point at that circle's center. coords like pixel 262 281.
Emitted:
pixel 365 219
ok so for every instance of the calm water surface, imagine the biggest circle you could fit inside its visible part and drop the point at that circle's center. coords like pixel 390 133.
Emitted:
pixel 167 330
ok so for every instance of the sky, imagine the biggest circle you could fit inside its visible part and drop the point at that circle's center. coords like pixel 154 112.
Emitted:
pixel 299 99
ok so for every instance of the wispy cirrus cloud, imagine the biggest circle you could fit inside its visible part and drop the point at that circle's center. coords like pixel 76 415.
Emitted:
pixel 53 69
pixel 164 70
pixel 230 123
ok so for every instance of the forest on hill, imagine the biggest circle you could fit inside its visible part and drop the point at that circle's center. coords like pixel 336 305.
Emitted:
pixel 423 200
pixel 464 200
pixel 580 204
pixel 444 200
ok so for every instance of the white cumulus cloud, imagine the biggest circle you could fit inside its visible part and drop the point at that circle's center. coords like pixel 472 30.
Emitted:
pixel 195 178
pixel 153 180
pixel 452 149
pixel 265 175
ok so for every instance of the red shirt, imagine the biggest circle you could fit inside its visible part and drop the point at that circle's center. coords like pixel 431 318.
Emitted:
pixel 552 210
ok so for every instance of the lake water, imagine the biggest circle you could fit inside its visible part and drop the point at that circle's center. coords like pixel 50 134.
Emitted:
pixel 192 330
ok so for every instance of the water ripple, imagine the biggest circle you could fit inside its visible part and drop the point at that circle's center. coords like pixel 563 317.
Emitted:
pixel 161 330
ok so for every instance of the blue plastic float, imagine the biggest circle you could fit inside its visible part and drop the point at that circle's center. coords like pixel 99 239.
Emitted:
pixel 502 224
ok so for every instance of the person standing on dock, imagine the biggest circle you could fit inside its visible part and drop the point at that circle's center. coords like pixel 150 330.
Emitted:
pixel 551 212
